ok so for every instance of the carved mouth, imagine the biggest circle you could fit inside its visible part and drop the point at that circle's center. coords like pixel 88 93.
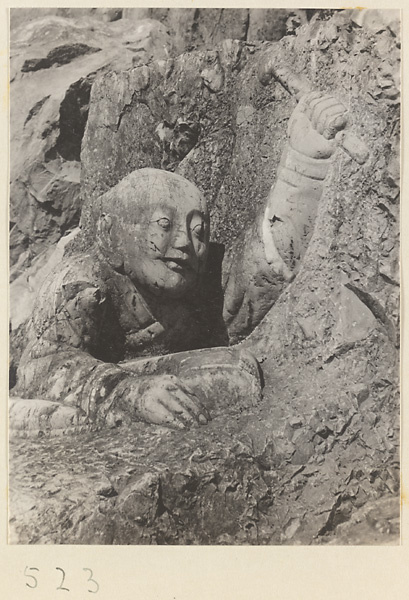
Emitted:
pixel 179 265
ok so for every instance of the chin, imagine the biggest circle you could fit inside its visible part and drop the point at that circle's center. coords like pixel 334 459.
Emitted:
pixel 163 282
pixel 171 284
pixel 174 290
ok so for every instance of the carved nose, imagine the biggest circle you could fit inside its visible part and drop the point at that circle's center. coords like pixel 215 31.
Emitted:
pixel 181 241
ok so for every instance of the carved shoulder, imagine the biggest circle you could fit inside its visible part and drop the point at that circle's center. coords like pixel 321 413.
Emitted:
pixel 70 303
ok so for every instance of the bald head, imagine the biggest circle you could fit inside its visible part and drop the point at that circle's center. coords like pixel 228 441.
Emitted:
pixel 148 187
pixel 155 225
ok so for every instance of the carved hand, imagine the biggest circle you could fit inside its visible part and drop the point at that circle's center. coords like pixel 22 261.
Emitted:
pixel 162 400
pixel 314 124
pixel 292 204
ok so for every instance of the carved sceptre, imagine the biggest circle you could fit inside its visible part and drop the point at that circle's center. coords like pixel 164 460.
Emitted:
pixel 297 86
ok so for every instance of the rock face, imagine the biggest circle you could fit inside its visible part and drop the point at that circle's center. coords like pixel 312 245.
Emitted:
pixel 324 442
pixel 21 16
pixel 198 27
pixel 54 61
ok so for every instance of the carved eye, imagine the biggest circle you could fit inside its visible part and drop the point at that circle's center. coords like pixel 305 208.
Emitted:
pixel 164 223
pixel 199 231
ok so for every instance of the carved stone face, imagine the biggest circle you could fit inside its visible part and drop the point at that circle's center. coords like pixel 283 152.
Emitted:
pixel 161 231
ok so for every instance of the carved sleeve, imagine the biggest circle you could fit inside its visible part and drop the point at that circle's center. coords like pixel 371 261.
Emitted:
pixel 266 257
pixel 251 285
pixel 58 363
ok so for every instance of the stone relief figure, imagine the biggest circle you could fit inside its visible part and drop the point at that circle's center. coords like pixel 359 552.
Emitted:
pixel 121 331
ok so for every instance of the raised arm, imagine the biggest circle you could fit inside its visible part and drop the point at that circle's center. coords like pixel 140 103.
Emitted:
pixel 266 257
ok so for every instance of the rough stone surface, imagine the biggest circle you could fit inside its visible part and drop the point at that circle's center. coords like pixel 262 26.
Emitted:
pixel 317 461
pixel 23 291
pixel 198 27
pixel 54 61
pixel 21 16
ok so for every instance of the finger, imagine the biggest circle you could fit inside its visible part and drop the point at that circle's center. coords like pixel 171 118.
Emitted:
pixel 323 111
pixel 321 107
pixel 155 411
pixel 319 97
pixel 181 390
pixel 194 408
pixel 306 100
pixel 169 382
pixel 170 387
pixel 174 405
pixel 334 121
pixel 317 101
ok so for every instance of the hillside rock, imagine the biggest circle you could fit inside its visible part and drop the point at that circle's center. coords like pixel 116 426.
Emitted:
pixel 54 61
pixel 20 16
pixel 24 288
pixel 204 28
pixel 322 448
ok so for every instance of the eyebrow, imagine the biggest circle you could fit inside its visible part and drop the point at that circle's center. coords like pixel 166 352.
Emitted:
pixel 167 210
pixel 194 212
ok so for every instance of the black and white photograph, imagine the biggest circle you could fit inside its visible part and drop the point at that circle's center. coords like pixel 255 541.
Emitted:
pixel 204 337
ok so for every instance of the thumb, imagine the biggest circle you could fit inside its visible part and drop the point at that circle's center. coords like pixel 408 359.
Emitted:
pixel 298 121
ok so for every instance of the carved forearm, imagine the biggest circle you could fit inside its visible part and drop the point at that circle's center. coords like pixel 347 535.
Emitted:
pixel 251 285
pixel 291 210
pixel 69 376
pixel 99 397
pixel 82 400
pixel 302 171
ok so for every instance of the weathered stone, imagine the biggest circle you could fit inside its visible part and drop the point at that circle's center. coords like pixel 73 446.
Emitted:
pixel 49 112
pixel 24 289
pixel 59 56
pixel 21 16
pixel 195 27
pixel 198 27
pixel 244 478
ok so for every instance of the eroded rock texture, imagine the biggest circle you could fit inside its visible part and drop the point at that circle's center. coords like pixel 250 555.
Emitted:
pixel 54 61
pixel 320 452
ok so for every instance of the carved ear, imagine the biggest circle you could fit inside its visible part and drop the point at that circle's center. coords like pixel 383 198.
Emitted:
pixel 107 242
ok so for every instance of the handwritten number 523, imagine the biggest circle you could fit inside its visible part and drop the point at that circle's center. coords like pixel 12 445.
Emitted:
pixel 93 586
